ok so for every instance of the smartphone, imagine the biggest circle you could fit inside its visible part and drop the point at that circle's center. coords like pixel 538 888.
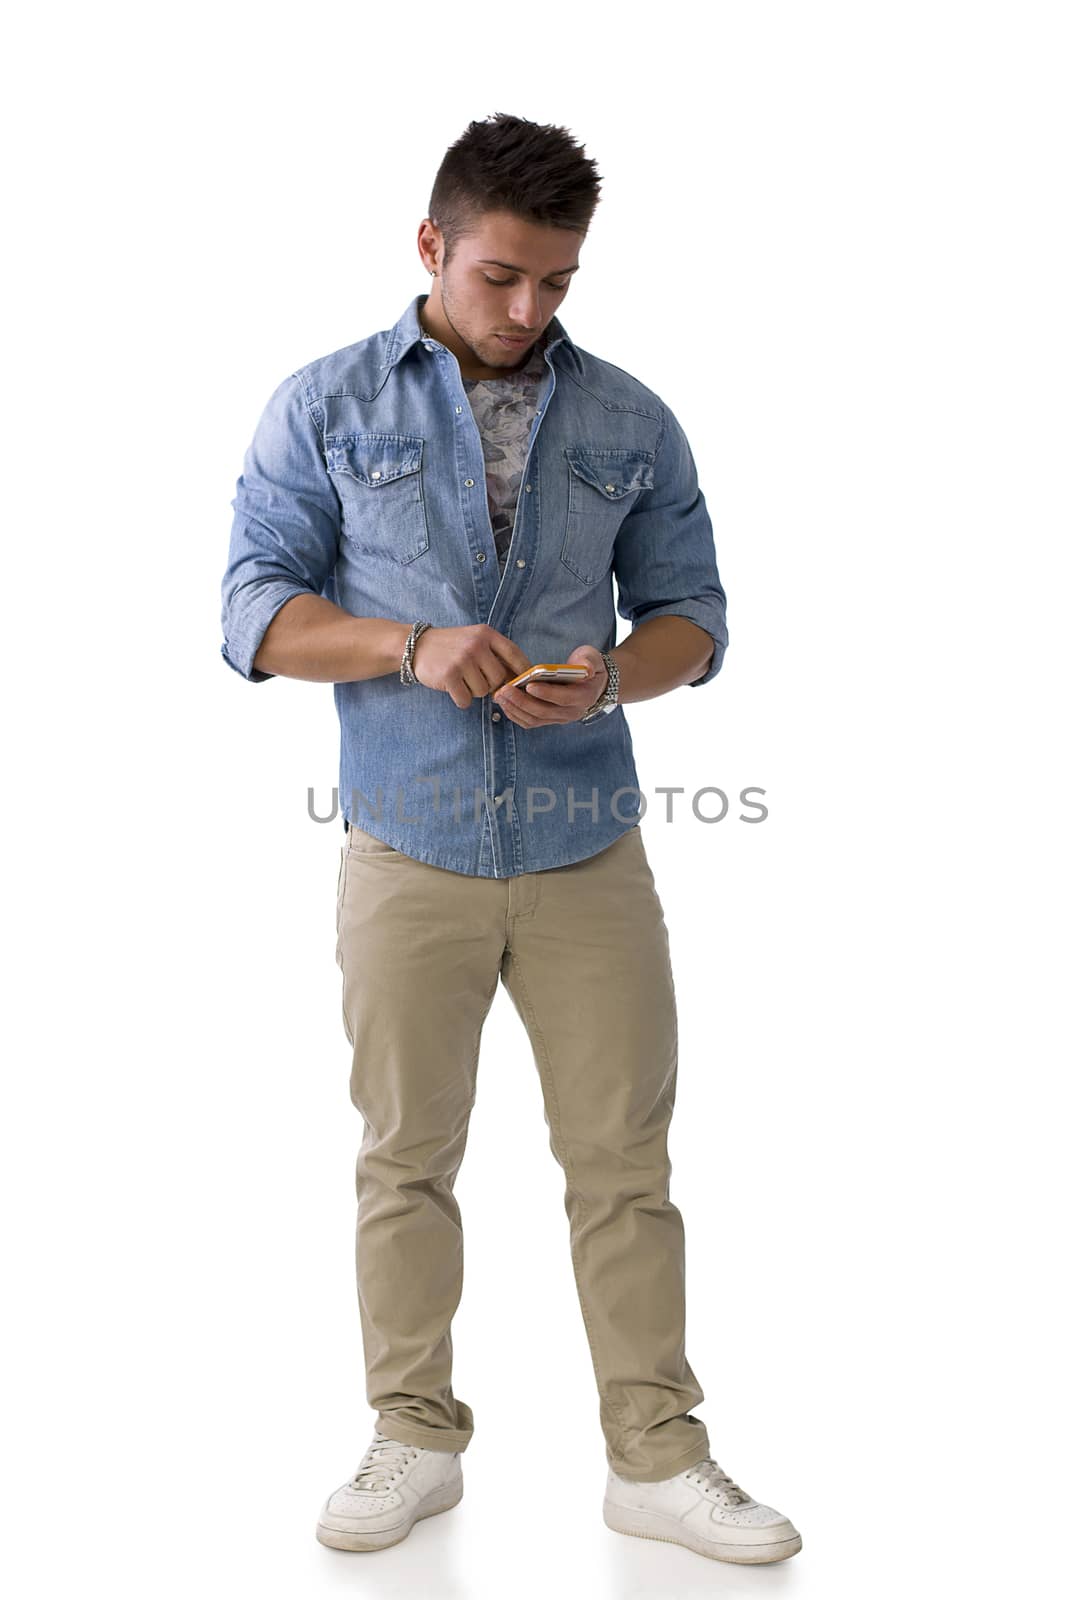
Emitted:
pixel 559 671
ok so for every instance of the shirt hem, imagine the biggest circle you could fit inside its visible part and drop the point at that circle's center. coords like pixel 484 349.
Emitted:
pixel 452 863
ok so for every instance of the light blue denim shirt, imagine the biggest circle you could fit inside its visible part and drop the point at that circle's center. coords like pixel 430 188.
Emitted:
pixel 365 483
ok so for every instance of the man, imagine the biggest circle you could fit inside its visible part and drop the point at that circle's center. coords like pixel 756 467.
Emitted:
pixel 422 516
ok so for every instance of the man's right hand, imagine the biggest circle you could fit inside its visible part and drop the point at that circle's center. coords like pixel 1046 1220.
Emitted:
pixel 467 663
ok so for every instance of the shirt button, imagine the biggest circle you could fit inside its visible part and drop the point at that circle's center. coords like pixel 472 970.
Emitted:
pixel 496 716
pixel 375 474
pixel 528 488
pixel 427 345
pixel 520 563
pixel 458 410
pixel 480 556
pixel 469 483
pixel 610 487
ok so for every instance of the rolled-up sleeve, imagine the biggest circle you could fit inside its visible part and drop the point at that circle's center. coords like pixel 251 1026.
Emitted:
pixel 286 526
pixel 664 561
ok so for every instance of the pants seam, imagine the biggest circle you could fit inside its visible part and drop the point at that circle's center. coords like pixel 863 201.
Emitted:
pixel 343 884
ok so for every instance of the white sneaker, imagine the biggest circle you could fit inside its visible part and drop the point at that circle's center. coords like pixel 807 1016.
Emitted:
pixel 703 1509
pixel 394 1486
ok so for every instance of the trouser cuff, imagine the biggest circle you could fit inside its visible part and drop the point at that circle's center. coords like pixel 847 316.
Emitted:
pixel 428 1438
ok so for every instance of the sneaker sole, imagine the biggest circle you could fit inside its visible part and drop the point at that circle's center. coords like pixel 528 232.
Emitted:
pixel 442 1499
pixel 652 1525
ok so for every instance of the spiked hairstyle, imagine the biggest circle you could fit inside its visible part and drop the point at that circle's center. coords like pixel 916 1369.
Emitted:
pixel 535 170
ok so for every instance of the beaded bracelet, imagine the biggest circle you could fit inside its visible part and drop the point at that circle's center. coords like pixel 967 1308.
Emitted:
pixel 407 671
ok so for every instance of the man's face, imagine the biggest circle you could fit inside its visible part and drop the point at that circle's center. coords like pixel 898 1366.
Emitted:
pixel 509 277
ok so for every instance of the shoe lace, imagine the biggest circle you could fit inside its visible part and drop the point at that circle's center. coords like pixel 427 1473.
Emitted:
pixel 710 1474
pixel 382 1461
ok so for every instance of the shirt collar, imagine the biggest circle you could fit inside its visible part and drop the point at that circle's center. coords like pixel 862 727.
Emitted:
pixel 408 330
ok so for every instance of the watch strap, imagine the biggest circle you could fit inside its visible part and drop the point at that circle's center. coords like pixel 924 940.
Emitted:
pixel 610 695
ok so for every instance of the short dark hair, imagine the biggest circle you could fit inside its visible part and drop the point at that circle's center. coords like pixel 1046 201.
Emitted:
pixel 535 170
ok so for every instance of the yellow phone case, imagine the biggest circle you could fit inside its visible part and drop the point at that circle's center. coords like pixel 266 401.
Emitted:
pixel 559 670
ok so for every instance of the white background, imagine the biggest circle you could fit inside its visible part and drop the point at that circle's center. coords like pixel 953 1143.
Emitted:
pixel 831 238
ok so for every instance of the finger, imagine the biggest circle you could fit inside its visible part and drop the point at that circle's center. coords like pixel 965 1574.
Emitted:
pixel 510 656
pixel 521 709
pixel 476 680
pixel 506 703
pixel 559 694
pixel 544 713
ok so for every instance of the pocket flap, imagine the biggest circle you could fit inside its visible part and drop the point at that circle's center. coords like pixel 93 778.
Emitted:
pixel 374 458
pixel 615 473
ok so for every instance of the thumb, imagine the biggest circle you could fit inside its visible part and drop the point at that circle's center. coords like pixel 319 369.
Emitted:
pixel 589 656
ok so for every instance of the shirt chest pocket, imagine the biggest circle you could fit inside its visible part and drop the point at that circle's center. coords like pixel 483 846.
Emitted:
pixel 603 486
pixel 378 478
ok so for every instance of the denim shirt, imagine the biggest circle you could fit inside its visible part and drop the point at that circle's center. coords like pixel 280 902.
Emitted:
pixel 365 483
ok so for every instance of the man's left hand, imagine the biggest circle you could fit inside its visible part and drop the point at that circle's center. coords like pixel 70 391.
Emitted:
pixel 549 700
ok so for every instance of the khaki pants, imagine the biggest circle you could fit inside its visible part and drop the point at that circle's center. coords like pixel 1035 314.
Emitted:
pixel 583 953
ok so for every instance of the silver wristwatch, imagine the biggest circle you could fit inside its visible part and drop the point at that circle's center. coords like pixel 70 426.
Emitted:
pixel 610 698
